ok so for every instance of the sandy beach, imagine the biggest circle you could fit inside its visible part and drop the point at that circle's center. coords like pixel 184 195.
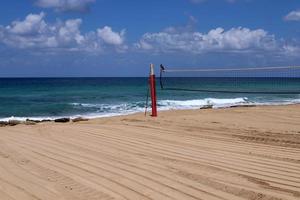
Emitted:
pixel 234 153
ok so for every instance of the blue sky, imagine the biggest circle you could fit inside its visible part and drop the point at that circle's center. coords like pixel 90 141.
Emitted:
pixel 59 38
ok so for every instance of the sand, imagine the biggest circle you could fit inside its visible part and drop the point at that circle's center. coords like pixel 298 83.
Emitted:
pixel 236 153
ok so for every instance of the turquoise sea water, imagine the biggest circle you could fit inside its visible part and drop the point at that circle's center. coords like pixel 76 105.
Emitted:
pixel 96 97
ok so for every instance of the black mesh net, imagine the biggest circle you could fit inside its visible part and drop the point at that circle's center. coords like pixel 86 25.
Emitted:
pixel 264 80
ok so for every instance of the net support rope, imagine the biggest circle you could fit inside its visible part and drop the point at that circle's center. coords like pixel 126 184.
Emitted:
pixel 227 69
pixel 163 70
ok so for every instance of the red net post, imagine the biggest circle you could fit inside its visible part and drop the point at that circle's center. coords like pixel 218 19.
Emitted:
pixel 153 91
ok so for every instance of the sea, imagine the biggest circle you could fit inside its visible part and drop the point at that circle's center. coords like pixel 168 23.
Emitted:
pixel 51 98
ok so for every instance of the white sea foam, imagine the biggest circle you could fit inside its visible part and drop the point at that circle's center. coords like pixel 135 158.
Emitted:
pixel 275 103
pixel 197 103
pixel 25 118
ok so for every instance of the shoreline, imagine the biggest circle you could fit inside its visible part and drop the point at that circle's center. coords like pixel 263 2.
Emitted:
pixel 12 121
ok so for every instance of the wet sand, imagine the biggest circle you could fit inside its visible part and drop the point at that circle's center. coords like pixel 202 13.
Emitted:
pixel 235 153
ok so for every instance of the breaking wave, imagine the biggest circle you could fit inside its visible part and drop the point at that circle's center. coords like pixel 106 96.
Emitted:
pixel 92 110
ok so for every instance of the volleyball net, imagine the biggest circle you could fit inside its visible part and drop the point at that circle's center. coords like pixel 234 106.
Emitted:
pixel 281 80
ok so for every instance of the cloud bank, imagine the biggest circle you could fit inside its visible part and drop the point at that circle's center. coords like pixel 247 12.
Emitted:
pixel 216 40
pixel 35 32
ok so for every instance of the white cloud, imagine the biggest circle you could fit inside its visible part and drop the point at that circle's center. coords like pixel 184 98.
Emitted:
pixel 66 5
pixel 35 32
pixel 111 37
pixel 293 16
pixel 32 31
pixel 32 24
pixel 69 32
pixel 291 50
pixel 236 39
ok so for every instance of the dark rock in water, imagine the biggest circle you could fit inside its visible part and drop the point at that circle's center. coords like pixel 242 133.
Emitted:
pixel 79 119
pixel 206 107
pixel 46 120
pixel 14 122
pixel 30 122
pixel 62 120
pixel 242 106
pixel 3 124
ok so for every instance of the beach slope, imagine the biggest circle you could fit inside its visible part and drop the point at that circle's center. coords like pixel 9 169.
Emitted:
pixel 235 153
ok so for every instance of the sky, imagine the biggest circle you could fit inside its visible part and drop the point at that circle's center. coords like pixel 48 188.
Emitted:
pixel 98 38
